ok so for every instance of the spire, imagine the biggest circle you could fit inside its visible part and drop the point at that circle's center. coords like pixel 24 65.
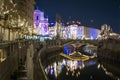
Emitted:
pixel 58 18
pixel 36 7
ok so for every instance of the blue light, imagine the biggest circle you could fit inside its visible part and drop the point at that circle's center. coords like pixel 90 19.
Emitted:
pixel 51 71
pixel 80 63
pixel 52 23
pixel 92 63
pixel 93 33
pixel 68 49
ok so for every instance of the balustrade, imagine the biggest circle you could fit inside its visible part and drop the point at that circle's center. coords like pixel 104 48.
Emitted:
pixel 12 54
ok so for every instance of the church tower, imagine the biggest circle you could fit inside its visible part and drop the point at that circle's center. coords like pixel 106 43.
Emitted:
pixel 40 23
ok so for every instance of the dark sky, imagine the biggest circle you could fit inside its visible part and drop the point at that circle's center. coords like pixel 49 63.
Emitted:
pixel 92 13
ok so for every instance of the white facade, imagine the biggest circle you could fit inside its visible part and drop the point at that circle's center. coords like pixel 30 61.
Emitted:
pixel 74 31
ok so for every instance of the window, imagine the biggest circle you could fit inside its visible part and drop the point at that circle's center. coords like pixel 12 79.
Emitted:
pixel 37 18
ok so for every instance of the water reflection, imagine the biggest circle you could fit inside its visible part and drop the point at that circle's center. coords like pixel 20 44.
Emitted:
pixel 74 66
pixel 77 70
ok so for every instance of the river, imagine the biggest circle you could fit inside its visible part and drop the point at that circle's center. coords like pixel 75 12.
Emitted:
pixel 66 69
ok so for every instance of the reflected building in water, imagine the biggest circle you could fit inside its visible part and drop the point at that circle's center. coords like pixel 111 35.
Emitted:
pixel 77 70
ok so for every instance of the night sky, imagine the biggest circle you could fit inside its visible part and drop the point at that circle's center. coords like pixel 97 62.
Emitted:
pixel 91 13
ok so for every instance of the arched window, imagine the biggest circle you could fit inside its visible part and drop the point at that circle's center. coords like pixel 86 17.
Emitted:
pixel 37 18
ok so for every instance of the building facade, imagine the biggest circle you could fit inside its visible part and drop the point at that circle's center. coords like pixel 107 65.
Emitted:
pixel 74 31
pixel 40 23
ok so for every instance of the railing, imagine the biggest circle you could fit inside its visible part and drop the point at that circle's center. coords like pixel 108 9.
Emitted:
pixel 39 73
pixel 14 52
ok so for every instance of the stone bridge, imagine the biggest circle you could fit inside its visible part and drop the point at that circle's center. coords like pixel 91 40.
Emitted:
pixel 52 46
pixel 54 43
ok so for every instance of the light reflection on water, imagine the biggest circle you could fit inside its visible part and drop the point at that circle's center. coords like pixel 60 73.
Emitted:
pixel 70 65
pixel 77 70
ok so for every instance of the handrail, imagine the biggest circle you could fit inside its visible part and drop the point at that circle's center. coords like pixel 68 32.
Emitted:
pixel 41 63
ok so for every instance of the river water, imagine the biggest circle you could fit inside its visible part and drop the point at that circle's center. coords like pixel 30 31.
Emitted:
pixel 65 69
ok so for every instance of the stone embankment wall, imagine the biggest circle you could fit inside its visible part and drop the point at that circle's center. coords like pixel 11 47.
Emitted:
pixel 17 53
pixel 109 49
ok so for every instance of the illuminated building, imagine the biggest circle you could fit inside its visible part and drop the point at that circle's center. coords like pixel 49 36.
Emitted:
pixel 40 23
pixel 52 32
pixel 77 31
pixel 80 32
pixel 86 32
pixel 63 33
pixel 94 33
pixel 107 33
pixel 56 30
pixel 73 30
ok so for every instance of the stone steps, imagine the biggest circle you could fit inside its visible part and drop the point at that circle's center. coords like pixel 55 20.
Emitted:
pixel 22 73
